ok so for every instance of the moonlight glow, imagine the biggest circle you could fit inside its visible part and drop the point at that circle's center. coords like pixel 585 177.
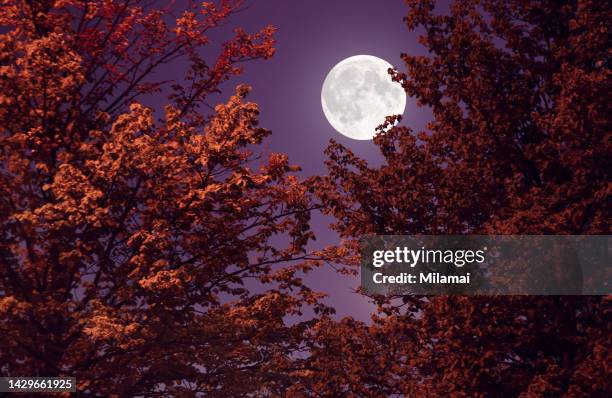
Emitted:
pixel 358 93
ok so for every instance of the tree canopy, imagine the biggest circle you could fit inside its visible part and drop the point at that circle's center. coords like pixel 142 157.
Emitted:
pixel 139 247
pixel 519 144
pixel 155 251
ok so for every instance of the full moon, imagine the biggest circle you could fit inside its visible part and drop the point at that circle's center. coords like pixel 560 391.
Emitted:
pixel 358 93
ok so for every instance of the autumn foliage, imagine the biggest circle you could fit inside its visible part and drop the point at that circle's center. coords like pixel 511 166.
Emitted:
pixel 138 246
pixel 519 144
pixel 154 251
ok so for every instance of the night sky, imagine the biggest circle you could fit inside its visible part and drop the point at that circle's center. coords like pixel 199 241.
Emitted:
pixel 312 37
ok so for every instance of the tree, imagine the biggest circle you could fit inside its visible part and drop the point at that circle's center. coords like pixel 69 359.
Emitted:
pixel 139 248
pixel 519 144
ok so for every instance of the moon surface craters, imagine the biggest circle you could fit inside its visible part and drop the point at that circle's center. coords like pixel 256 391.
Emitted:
pixel 357 95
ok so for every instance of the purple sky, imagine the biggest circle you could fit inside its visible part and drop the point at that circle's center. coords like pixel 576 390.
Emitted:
pixel 312 37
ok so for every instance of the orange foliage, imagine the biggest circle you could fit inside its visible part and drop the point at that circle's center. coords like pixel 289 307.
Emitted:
pixel 519 144
pixel 139 248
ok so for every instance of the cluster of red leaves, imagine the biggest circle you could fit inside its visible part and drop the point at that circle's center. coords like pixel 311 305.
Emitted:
pixel 127 237
pixel 138 248
pixel 519 144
